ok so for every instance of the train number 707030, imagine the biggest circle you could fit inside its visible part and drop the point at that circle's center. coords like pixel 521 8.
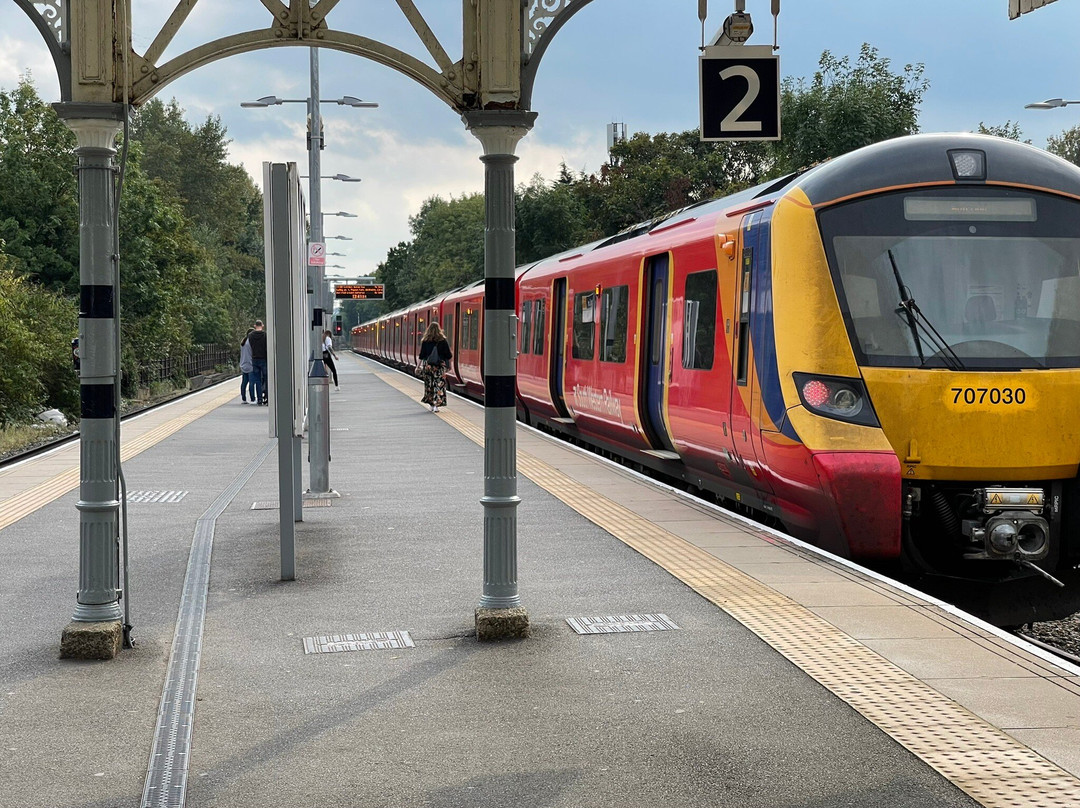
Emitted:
pixel 989 395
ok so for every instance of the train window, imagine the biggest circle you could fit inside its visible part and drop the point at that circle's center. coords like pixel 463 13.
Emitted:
pixel 584 325
pixel 526 326
pixel 743 364
pixel 448 327
pixel 472 329
pixel 538 329
pixel 699 323
pixel 613 321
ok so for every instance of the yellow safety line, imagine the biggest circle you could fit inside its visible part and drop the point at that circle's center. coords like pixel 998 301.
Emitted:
pixel 985 762
pixel 26 502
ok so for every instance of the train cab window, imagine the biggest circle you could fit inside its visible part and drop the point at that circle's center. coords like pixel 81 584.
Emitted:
pixel 448 326
pixel 584 325
pixel 614 307
pixel 994 274
pixel 699 321
pixel 538 329
pixel 526 326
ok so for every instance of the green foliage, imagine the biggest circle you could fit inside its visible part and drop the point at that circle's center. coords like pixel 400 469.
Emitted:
pixel 36 329
pixel 1066 146
pixel 1009 129
pixel 39 204
pixel 845 107
pixel 223 205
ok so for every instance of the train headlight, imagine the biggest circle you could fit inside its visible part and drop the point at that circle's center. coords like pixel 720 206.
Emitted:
pixel 968 164
pixel 836 397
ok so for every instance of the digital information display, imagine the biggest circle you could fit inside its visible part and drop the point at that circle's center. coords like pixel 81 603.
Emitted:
pixel 359 291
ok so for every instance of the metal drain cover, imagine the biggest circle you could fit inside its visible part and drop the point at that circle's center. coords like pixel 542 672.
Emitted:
pixel 156 496
pixel 615 624
pixel 373 641
pixel 273 504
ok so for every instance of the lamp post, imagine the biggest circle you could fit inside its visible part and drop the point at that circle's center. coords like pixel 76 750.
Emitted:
pixel 318 382
pixel 1050 103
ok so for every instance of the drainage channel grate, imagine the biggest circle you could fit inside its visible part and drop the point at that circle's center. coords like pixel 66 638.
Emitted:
pixel 273 504
pixel 617 624
pixel 156 496
pixel 374 641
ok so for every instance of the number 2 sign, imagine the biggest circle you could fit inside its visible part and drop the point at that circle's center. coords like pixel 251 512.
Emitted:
pixel 740 93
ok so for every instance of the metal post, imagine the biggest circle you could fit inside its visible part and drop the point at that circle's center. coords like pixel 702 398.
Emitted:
pixel 500 613
pixel 318 380
pixel 98 601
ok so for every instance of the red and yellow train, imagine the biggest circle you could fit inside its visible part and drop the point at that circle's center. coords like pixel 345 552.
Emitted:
pixel 882 353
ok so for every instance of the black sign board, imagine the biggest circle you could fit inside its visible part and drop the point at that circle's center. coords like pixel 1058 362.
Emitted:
pixel 356 291
pixel 740 94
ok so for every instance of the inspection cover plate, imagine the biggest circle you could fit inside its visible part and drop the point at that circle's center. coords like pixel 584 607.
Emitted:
pixel 372 641
pixel 273 504
pixel 615 624
pixel 156 496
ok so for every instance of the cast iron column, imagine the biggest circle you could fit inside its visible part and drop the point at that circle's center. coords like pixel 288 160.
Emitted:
pixel 500 613
pixel 98 601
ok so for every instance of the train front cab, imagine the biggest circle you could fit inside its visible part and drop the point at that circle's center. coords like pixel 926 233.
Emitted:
pixel 946 316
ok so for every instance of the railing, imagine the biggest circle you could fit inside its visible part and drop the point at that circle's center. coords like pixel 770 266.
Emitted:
pixel 204 359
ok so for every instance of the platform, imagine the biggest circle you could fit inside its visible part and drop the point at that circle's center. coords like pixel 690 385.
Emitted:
pixel 775 676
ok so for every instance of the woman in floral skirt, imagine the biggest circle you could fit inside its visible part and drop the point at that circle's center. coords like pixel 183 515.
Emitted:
pixel 435 356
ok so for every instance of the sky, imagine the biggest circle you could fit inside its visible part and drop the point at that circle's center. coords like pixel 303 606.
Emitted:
pixel 628 61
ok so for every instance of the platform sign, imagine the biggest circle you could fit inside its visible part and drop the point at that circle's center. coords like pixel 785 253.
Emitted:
pixel 316 253
pixel 1018 7
pixel 740 93
pixel 359 291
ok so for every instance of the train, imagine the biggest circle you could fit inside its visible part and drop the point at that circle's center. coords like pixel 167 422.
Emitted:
pixel 881 354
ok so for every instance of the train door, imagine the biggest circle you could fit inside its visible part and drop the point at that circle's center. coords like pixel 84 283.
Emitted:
pixel 558 346
pixel 654 358
pixel 744 380
pixel 451 336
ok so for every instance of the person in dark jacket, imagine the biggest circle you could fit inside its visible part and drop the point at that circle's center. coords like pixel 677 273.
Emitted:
pixel 435 356
pixel 257 338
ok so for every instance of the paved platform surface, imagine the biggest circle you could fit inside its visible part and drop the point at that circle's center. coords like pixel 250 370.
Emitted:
pixel 791 680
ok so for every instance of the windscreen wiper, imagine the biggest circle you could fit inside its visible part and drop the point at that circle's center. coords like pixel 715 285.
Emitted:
pixel 917 321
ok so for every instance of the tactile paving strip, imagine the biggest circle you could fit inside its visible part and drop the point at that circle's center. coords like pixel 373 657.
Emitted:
pixel 28 501
pixel 989 765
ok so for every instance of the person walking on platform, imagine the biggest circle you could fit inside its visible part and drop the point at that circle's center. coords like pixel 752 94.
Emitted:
pixel 257 339
pixel 247 368
pixel 328 355
pixel 435 356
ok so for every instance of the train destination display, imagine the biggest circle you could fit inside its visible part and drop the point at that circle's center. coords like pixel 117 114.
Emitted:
pixel 358 291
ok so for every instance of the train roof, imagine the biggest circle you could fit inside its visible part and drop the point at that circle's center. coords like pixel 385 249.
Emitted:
pixel 927 158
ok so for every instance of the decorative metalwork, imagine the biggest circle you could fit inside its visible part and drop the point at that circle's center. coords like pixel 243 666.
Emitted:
pixel 53 13
pixel 542 14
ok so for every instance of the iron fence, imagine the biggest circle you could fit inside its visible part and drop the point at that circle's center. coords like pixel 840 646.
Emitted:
pixel 205 358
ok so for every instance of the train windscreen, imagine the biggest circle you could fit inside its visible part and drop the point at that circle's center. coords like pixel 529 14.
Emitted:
pixel 958 277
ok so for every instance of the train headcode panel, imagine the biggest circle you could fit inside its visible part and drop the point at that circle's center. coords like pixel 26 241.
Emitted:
pixel 359 291
pixel 740 93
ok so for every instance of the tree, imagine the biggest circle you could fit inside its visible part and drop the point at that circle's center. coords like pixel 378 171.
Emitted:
pixel 1009 129
pixel 39 204
pixel 845 107
pixel 1066 145
pixel 36 329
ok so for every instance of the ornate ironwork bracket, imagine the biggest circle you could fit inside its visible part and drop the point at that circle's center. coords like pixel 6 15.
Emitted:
pixel 51 20
pixel 545 18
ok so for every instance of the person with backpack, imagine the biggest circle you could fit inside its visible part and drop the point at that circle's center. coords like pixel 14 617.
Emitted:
pixel 435 356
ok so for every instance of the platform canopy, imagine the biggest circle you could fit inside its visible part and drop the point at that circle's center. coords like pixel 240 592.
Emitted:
pixel 1018 7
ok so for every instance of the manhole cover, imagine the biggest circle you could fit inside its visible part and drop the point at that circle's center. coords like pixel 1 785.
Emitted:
pixel 615 624
pixel 374 641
